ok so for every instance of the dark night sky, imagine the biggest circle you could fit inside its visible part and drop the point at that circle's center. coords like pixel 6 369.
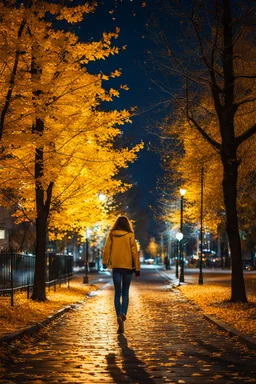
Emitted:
pixel 131 17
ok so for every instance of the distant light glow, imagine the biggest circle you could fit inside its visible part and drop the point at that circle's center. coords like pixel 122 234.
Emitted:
pixel 179 236
pixel 102 196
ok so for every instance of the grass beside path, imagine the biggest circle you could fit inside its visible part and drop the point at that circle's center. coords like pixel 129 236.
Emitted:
pixel 27 312
pixel 213 299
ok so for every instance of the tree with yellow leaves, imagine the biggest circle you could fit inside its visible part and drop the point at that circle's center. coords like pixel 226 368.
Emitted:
pixel 58 144
pixel 217 57
pixel 191 154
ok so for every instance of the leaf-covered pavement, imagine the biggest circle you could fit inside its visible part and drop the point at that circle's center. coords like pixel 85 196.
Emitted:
pixel 166 340
pixel 26 312
pixel 213 297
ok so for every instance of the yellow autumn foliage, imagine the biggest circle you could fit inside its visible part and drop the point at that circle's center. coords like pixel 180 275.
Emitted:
pixel 78 138
pixel 198 153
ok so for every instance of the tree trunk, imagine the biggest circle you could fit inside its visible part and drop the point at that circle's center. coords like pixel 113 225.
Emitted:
pixel 229 184
pixel 39 291
pixel 226 113
pixel 42 207
pixel 41 223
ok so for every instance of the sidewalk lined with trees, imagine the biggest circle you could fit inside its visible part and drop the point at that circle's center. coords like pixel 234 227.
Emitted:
pixel 57 132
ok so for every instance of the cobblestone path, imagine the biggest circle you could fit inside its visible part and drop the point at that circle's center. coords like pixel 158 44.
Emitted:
pixel 166 340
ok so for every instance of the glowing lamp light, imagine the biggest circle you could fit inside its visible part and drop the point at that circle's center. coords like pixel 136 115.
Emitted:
pixel 182 191
pixel 88 233
pixel 102 196
pixel 179 236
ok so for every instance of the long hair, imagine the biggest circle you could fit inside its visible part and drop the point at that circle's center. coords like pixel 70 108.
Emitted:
pixel 123 224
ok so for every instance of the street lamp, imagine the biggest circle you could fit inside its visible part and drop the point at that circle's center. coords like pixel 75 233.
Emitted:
pixel 177 259
pixel 200 279
pixel 102 197
pixel 87 234
pixel 182 193
pixel 179 237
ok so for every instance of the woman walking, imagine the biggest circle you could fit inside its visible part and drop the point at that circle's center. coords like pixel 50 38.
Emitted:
pixel 120 253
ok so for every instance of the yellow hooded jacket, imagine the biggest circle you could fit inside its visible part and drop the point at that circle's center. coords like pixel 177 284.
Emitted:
pixel 120 250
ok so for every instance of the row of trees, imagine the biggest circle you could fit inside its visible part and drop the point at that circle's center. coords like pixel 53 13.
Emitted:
pixel 212 120
pixel 57 134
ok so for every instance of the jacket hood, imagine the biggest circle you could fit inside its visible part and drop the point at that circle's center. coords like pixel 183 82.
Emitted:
pixel 119 233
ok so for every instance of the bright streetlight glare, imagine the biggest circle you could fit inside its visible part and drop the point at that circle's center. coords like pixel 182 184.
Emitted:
pixel 102 196
pixel 88 233
pixel 182 191
pixel 179 236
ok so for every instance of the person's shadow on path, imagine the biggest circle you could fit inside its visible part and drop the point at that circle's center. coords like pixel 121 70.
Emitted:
pixel 132 368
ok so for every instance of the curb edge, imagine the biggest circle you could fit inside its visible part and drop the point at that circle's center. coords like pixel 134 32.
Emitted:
pixel 244 339
pixel 32 329
pixel 232 332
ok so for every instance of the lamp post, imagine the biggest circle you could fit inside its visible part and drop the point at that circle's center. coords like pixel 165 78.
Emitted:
pixel 200 279
pixel 179 237
pixel 182 193
pixel 86 279
pixel 177 259
pixel 102 197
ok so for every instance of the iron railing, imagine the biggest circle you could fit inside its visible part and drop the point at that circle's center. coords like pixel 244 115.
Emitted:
pixel 17 271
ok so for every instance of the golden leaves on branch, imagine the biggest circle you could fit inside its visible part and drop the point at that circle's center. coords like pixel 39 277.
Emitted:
pixel 192 152
pixel 78 136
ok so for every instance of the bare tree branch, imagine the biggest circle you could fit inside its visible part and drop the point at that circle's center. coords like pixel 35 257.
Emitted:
pixel 246 135
pixel 205 135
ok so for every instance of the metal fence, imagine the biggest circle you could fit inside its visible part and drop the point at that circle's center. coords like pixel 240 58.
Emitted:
pixel 59 268
pixel 17 271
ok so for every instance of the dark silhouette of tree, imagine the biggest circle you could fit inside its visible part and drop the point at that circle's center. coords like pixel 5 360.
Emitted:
pixel 210 52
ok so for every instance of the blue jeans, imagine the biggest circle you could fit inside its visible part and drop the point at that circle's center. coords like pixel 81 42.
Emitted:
pixel 122 281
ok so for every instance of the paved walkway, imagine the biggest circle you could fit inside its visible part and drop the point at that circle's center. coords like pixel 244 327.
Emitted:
pixel 166 340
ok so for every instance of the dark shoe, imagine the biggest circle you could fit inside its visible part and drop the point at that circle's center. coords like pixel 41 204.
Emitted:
pixel 123 317
pixel 121 324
